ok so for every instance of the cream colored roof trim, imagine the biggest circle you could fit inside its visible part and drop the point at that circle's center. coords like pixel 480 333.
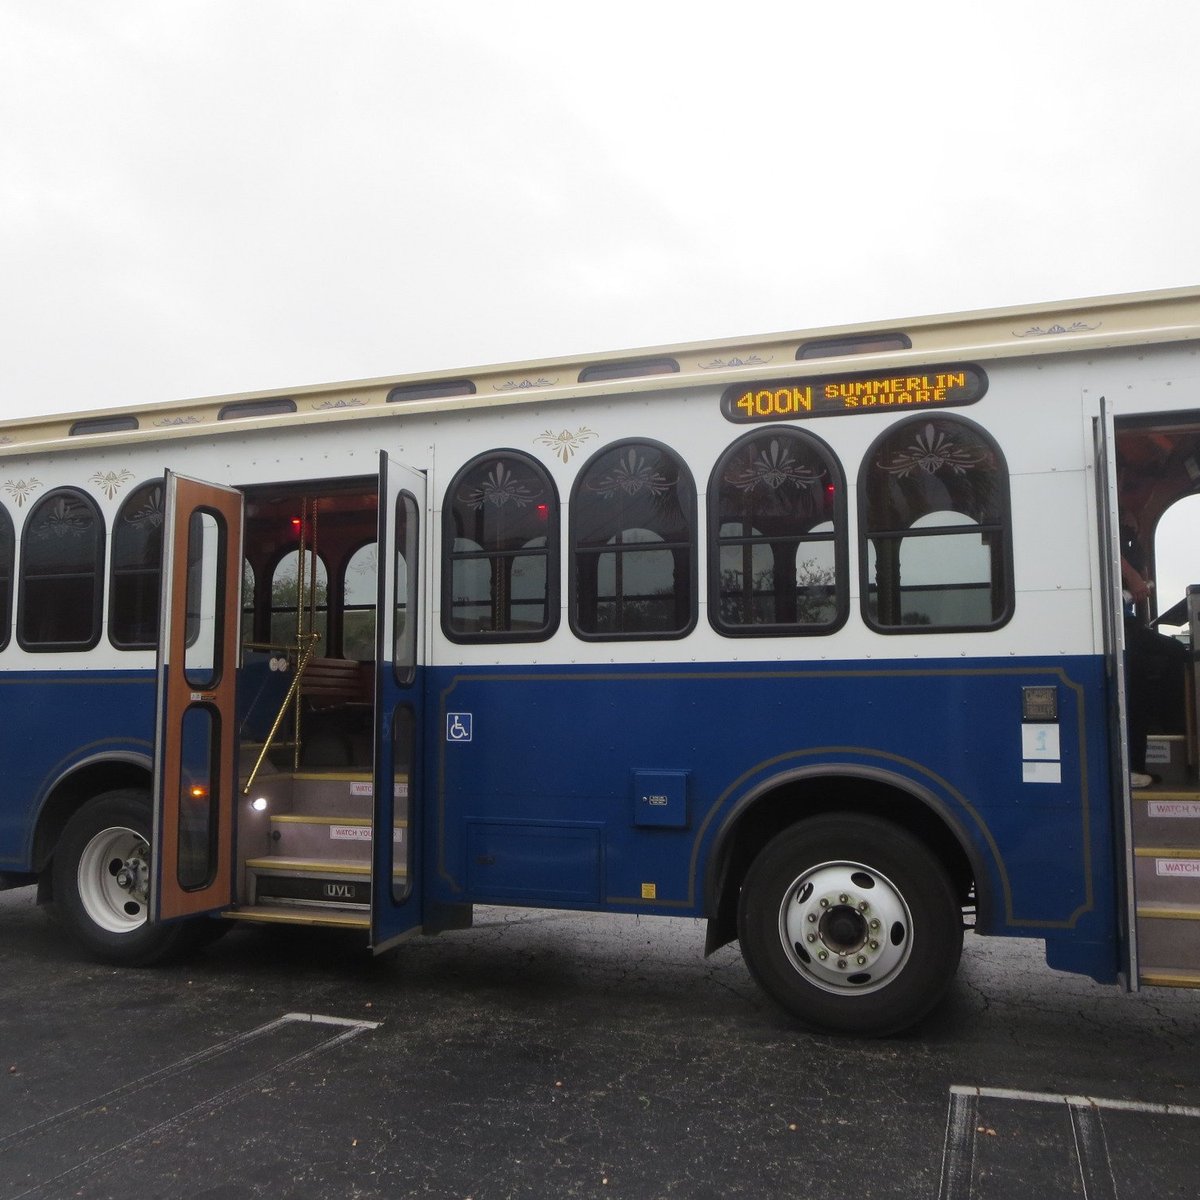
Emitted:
pixel 1070 326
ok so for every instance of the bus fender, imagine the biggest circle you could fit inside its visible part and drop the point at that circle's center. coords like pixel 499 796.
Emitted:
pixel 778 802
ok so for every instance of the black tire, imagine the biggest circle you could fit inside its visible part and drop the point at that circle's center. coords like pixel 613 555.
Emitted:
pixel 101 875
pixel 850 924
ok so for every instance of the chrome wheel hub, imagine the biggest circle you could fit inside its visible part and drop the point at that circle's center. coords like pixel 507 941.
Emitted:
pixel 114 880
pixel 845 927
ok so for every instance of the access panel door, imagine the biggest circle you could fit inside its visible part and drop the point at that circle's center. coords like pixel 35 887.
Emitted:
pixel 396 905
pixel 195 776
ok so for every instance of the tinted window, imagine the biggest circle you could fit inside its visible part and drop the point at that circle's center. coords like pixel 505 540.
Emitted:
pixel 500 560
pixel 286 594
pixel 7 553
pixel 633 520
pixel 777 553
pixel 136 569
pixel 359 584
pixel 62 571
pixel 936 551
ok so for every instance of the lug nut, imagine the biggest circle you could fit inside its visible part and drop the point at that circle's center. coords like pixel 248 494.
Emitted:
pixel 812 937
pixel 843 899
pixel 861 960
pixel 822 954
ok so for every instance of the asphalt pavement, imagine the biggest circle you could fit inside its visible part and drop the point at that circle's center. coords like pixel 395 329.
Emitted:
pixel 547 1054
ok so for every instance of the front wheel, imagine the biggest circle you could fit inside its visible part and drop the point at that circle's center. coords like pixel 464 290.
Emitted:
pixel 851 924
pixel 102 882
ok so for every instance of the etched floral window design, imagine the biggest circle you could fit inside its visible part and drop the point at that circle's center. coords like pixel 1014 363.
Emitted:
pixel 136 569
pixel 62 573
pixel 633 518
pixel 936 541
pixel 777 544
pixel 500 560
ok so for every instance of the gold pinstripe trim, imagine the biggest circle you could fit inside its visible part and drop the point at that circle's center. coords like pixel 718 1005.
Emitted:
pixel 1167 852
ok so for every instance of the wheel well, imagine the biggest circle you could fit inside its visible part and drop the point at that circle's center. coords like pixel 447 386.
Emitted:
pixel 773 811
pixel 68 796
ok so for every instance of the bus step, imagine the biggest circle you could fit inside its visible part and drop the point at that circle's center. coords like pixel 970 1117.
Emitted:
pixel 1169 944
pixel 1166 757
pixel 297 914
pixel 326 882
pixel 1166 817
pixel 299 835
pixel 1179 977
pixel 1167 875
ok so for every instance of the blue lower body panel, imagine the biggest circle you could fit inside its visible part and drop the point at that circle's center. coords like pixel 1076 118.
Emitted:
pixel 611 788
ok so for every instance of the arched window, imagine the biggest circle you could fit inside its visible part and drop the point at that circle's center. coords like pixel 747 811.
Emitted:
pixel 936 543
pixel 285 598
pixel 500 551
pixel 136 569
pixel 633 536
pixel 62 573
pixel 360 582
pixel 248 598
pixel 7 554
pixel 777 544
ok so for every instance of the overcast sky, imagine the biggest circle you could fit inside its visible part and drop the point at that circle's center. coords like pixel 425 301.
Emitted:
pixel 231 195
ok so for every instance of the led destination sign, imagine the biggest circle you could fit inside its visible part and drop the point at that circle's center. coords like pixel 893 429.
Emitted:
pixel 833 395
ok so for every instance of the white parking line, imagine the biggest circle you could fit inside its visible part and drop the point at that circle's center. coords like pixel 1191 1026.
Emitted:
pixel 1087 1128
pixel 342 1030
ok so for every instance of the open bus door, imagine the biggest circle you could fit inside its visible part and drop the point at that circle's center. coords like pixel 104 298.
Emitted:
pixel 1114 648
pixel 195 778
pixel 1158 811
pixel 396 903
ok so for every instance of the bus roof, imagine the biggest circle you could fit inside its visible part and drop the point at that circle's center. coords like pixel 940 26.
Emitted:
pixel 1084 325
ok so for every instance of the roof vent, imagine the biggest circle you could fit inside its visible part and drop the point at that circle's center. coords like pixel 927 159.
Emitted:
pixel 102 425
pixel 431 389
pixel 858 343
pixel 629 368
pixel 240 410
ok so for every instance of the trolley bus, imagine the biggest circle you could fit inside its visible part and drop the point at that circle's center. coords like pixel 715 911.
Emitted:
pixel 818 636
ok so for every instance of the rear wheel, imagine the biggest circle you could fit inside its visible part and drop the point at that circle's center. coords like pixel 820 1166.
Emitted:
pixel 851 924
pixel 102 870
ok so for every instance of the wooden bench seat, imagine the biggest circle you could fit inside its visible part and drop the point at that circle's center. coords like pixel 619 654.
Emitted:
pixel 335 682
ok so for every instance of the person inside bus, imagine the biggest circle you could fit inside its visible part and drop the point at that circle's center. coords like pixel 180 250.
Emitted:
pixel 1155 664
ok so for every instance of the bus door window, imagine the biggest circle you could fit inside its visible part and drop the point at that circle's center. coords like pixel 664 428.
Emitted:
pixel 7 553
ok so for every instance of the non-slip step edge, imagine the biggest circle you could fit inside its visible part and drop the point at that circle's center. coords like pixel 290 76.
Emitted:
pixel 267 915
pixel 1169 977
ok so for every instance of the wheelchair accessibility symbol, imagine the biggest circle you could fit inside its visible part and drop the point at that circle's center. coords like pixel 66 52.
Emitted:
pixel 458 727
